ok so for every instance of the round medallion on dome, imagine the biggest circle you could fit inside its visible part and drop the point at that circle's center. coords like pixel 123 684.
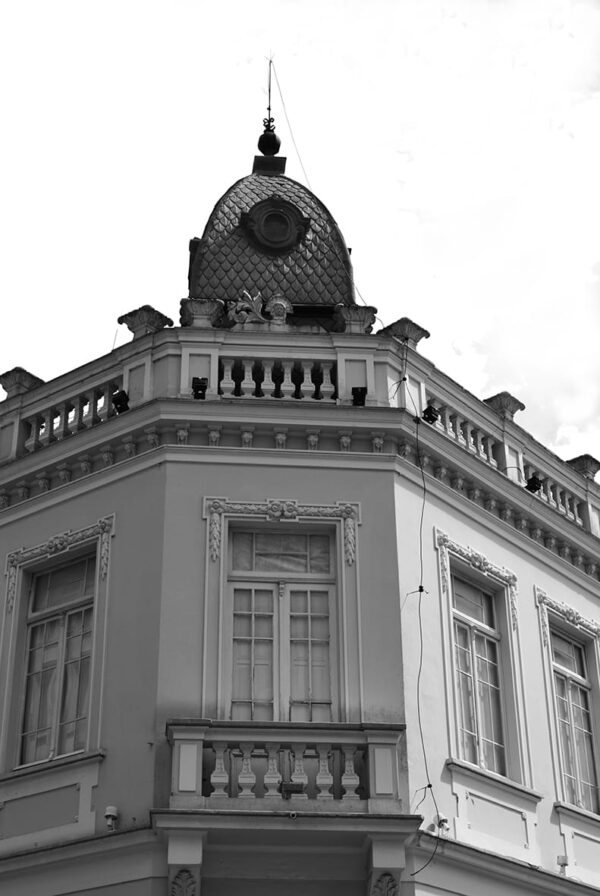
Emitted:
pixel 275 224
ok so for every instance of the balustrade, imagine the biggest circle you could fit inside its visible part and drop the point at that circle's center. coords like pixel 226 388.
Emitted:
pixel 63 419
pixel 469 435
pixel 557 496
pixel 281 770
pixel 261 378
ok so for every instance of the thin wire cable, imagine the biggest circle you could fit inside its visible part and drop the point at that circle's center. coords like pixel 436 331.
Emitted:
pixel 289 125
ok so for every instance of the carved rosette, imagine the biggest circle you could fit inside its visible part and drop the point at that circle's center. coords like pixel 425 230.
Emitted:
pixel 102 530
pixel 479 562
pixel 216 508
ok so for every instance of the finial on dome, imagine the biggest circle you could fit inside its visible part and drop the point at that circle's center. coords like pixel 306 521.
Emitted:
pixel 269 143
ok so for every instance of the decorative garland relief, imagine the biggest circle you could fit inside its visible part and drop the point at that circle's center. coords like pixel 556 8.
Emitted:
pixel 56 545
pixel 565 612
pixel 216 508
pixel 479 562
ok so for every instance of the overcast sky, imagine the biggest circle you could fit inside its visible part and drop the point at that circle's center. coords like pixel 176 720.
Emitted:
pixel 456 143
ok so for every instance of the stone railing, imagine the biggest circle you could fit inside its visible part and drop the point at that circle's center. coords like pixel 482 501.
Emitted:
pixel 263 766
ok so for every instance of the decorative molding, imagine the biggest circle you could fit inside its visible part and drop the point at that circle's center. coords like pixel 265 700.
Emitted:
pixel 386 885
pixel 275 511
pixel 478 562
pixel 184 884
pixel 101 530
pixel 565 612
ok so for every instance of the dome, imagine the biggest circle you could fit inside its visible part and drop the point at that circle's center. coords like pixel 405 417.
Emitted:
pixel 270 234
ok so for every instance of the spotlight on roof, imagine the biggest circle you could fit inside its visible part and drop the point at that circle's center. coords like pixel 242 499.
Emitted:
pixel 199 387
pixel 430 414
pixel 533 484
pixel 120 401
pixel 359 394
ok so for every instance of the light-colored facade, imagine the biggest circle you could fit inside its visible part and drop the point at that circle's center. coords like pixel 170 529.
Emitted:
pixel 250 614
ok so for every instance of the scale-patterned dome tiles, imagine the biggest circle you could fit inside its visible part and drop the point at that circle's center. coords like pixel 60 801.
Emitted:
pixel 317 271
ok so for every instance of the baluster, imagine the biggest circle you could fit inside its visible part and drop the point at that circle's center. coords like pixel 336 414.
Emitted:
pixel 227 383
pixel 272 778
pixel 469 435
pixel 220 777
pixel 63 429
pixel 446 419
pixel 569 505
pixel 287 386
pixel 457 429
pixel 246 777
pixel 478 443
pixel 47 419
pixel 488 450
pixel 298 775
pixel 268 386
pixel 350 779
pixel 32 443
pixel 101 402
pixel 306 384
pixel 248 386
pixel 547 492
pixel 78 421
pixel 327 386
pixel 324 779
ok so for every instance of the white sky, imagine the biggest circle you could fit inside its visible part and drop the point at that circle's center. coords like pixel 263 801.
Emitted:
pixel 456 143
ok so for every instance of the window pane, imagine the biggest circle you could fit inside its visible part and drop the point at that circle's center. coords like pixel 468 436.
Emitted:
pixel 242 600
pixel 65 584
pixel 319 553
pixel 242 550
pixel 567 654
pixel 473 602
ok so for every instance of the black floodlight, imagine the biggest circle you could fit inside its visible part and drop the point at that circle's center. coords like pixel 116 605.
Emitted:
pixel 430 414
pixel 120 401
pixel 359 394
pixel 533 484
pixel 199 387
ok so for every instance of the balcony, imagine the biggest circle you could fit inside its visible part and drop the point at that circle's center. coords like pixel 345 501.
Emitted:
pixel 269 767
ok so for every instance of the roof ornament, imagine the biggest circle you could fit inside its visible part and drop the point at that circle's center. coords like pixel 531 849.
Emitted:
pixel 269 142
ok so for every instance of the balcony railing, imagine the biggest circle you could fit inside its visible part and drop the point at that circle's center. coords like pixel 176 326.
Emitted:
pixel 264 767
pixel 272 378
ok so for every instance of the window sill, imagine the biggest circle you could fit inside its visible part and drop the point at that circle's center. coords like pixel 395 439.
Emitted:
pixel 576 812
pixel 482 776
pixel 51 764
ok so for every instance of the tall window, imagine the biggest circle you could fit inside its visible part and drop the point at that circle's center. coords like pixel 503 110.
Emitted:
pixel 478 678
pixel 572 693
pixel 283 623
pixel 57 679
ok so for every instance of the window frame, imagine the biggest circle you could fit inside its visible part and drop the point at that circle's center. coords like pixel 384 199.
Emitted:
pixel 562 619
pixel 342 518
pixel 281 585
pixel 468 565
pixel 34 618
pixel 23 568
pixel 489 633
